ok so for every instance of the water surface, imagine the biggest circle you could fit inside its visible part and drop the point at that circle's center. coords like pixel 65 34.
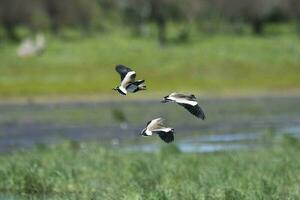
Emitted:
pixel 230 124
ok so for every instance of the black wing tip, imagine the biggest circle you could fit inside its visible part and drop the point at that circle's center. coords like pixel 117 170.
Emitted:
pixel 121 67
pixel 169 140
pixel 118 66
pixel 201 116
pixel 194 110
pixel 167 137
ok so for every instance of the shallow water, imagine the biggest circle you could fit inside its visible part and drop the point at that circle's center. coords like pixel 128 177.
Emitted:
pixel 219 142
pixel 230 124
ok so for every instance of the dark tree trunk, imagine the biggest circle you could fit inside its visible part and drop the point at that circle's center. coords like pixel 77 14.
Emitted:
pixel 159 17
pixel 184 34
pixel 9 28
pixel 161 25
pixel 52 11
pixel 298 24
pixel 257 26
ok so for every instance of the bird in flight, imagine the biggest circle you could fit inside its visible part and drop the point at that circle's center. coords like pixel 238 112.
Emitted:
pixel 157 126
pixel 128 82
pixel 189 102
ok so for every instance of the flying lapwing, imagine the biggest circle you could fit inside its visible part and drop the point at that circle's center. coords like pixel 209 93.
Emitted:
pixel 189 102
pixel 157 126
pixel 128 82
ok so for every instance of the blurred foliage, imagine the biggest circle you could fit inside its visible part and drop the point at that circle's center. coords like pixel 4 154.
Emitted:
pixel 169 150
pixel 119 115
pixel 95 172
pixel 55 15
pixel 289 140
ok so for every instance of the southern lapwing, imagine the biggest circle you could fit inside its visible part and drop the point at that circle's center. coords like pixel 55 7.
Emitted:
pixel 128 82
pixel 156 126
pixel 189 102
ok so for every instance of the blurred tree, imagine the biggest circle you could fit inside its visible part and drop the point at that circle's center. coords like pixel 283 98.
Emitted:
pixel 189 12
pixel 110 11
pixel 175 10
pixel 85 14
pixel 139 12
pixel 13 13
pixel 159 15
pixel 38 14
pixel 77 13
pixel 136 14
pixel 293 9
pixel 108 5
pixel 255 12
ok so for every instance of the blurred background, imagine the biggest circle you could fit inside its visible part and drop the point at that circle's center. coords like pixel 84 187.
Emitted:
pixel 65 134
pixel 241 58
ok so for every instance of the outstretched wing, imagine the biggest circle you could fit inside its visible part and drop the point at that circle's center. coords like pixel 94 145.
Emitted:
pixel 157 123
pixel 166 136
pixel 122 70
pixel 194 109
pixel 190 97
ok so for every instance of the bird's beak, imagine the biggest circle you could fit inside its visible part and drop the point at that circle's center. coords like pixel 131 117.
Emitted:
pixel 164 101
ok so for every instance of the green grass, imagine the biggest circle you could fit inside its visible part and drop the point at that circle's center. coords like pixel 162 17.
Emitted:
pixel 89 171
pixel 218 63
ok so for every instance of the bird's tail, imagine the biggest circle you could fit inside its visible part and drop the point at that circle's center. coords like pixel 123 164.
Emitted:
pixel 141 84
pixel 142 87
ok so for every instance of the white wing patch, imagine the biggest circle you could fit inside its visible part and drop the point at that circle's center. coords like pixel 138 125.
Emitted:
pixel 123 89
pixel 163 129
pixel 127 78
pixel 184 101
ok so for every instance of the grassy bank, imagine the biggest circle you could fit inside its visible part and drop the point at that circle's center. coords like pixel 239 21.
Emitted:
pixel 215 64
pixel 87 171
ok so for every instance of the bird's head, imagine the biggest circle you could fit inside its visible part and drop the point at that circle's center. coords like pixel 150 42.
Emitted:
pixel 165 99
pixel 143 133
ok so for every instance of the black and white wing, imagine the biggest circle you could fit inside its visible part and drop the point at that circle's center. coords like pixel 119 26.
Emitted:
pixel 132 88
pixel 148 123
pixel 128 80
pixel 166 135
pixel 194 109
pixel 123 71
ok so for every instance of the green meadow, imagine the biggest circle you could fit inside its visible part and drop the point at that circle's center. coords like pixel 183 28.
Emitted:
pixel 216 63
pixel 89 171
